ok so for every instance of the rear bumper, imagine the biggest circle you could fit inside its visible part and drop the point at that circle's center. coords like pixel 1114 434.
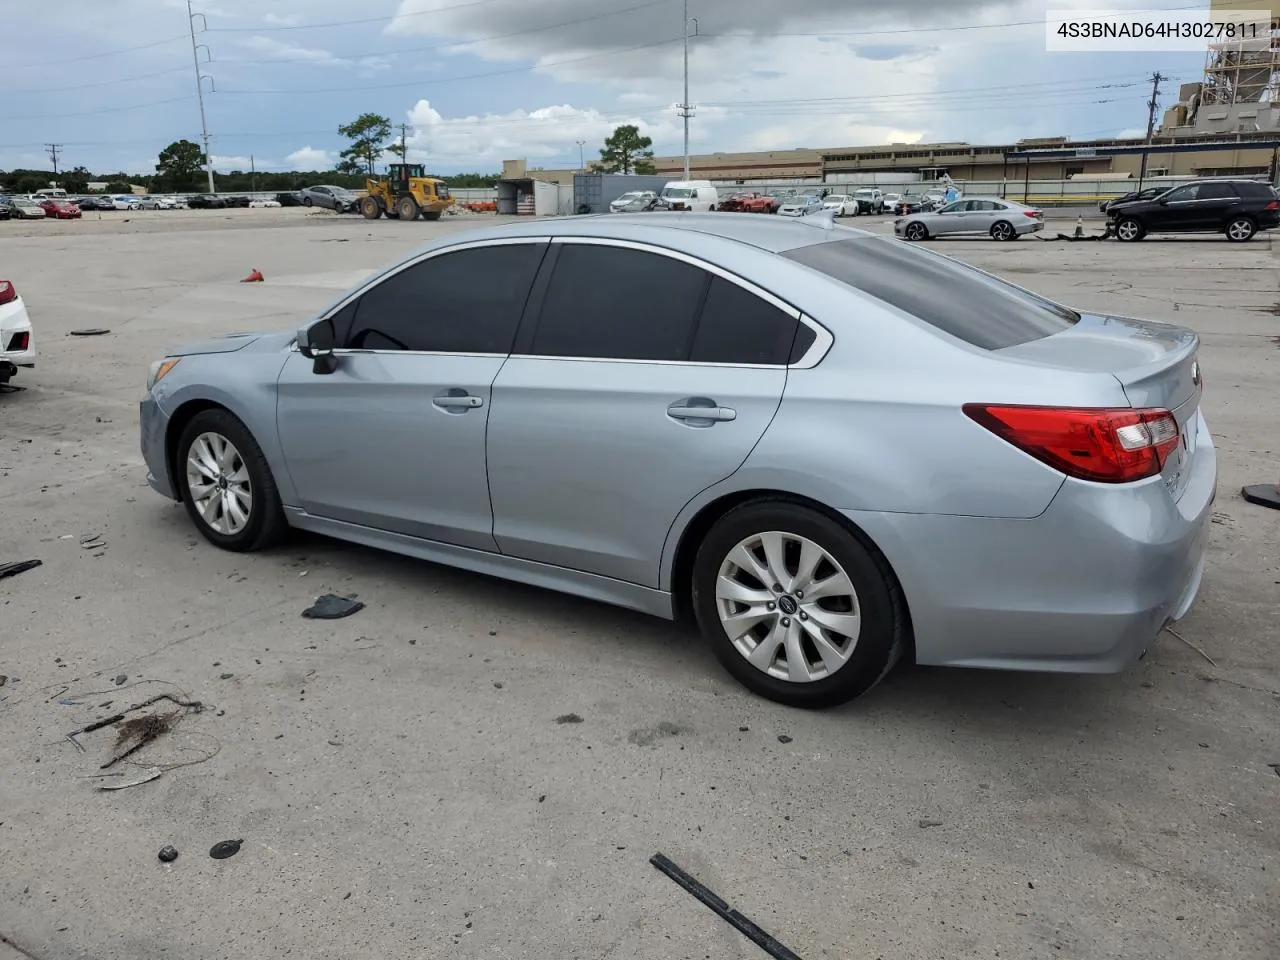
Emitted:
pixel 1084 588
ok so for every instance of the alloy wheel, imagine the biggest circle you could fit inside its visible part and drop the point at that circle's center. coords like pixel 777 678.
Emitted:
pixel 1128 230
pixel 1240 230
pixel 788 607
pixel 1002 231
pixel 218 481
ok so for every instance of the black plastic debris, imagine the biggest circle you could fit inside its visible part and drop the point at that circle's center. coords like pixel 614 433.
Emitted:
pixel 332 607
pixel 568 718
pixel 168 854
pixel 783 738
pixel 17 567
pixel 91 331
pixel 225 848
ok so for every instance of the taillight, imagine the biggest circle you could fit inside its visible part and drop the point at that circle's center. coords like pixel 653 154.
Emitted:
pixel 1114 445
pixel 20 341
pixel 1273 205
pixel 1033 214
pixel 8 292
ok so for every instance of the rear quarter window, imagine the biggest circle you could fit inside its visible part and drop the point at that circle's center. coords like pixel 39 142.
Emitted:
pixel 1255 191
pixel 950 296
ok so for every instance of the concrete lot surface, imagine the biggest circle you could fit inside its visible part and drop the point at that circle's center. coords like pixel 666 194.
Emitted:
pixel 400 780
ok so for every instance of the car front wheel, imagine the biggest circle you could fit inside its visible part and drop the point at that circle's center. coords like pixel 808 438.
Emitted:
pixel 1129 230
pixel 226 484
pixel 795 606
pixel 1241 229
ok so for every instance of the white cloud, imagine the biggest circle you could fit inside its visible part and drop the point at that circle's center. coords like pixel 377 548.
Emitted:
pixel 276 20
pixel 270 48
pixel 309 158
pixel 227 164
pixel 1130 132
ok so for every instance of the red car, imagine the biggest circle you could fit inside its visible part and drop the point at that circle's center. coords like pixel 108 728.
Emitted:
pixel 59 209
pixel 750 203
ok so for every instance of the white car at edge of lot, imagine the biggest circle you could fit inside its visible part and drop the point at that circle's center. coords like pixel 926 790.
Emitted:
pixel 843 204
pixel 17 345
pixel 257 204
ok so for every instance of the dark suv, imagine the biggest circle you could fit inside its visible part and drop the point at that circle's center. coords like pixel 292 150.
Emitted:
pixel 1236 208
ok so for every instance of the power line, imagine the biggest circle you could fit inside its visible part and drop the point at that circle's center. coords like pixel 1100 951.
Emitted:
pixel 352 23
pixel 94 113
pixel 99 83
pixel 52 149
pixel 98 56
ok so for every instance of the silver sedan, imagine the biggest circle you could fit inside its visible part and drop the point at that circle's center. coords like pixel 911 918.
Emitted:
pixel 832 449
pixel 997 218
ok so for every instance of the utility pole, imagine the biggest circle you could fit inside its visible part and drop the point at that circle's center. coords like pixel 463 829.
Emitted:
pixel 582 163
pixel 404 143
pixel 1151 122
pixel 253 175
pixel 195 60
pixel 52 149
pixel 684 108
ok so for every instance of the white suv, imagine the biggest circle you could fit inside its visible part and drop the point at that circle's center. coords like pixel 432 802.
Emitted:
pixel 17 348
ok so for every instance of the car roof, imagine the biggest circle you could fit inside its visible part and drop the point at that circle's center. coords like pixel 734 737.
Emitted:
pixel 766 233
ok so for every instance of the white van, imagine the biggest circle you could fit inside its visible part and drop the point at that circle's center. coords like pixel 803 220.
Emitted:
pixel 697 195
pixel 54 193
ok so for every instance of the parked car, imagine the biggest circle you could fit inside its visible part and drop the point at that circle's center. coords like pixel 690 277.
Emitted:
pixel 148 203
pixel 26 209
pixel 634 201
pixel 264 203
pixel 17 347
pixel 999 219
pixel 238 201
pixel 95 203
pixel 206 201
pixel 1150 193
pixel 933 201
pixel 870 201
pixel 800 206
pixel 843 204
pixel 122 202
pixel 891 201
pixel 59 209
pixel 721 413
pixel 333 198
pixel 6 208
pixel 734 202
pixel 692 195
pixel 289 199
pixel 908 204
pixel 1237 209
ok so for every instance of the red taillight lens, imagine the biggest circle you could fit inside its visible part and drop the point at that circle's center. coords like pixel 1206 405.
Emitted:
pixel 20 341
pixel 8 292
pixel 1033 214
pixel 1273 205
pixel 1117 445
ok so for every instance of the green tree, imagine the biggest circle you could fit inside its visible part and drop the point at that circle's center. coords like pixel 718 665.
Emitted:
pixel 119 186
pixel 368 135
pixel 625 151
pixel 75 180
pixel 179 166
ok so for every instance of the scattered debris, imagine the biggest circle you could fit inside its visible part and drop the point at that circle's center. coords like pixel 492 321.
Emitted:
pixel 497 684
pixel 151 773
pixel 1174 633
pixel 90 332
pixel 1275 767
pixel 140 731
pixel 647 737
pixel 735 919
pixel 168 854
pixel 225 676
pixel 1204 745
pixel 927 824
pixel 225 848
pixel 335 743
pixel 17 567
pixel 744 729
pixel 121 678
pixel 255 276
pixel 783 738
pixel 194 706
pixel 332 607
pixel 3 679
pixel 568 718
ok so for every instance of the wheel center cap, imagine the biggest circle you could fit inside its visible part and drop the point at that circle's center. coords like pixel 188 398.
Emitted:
pixel 788 605
pixel 222 483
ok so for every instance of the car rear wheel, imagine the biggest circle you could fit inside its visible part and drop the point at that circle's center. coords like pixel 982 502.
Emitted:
pixel 1003 230
pixel 226 484
pixel 916 231
pixel 795 606
pixel 1241 229
pixel 1130 230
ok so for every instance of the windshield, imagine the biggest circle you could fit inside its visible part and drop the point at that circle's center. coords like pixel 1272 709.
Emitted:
pixel 944 293
pixel 678 192
pixel 865 193
pixel 627 197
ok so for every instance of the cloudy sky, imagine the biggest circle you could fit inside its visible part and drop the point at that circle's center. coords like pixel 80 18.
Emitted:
pixel 479 81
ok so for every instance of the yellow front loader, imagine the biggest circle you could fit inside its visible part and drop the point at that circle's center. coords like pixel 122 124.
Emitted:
pixel 406 193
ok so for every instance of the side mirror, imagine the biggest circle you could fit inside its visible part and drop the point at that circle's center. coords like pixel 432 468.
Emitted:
pixel 1163 202
pixel 315 342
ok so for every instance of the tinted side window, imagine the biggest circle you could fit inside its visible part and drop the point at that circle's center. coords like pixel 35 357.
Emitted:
pixel 617 303
pixel 948 295
pixel 1189 192
pixel 464 302
pixel 1217 191
pixel 1255 191
pixel 736 326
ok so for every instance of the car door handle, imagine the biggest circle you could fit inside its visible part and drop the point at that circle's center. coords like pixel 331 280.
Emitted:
pixel 682 411
pixel 466 401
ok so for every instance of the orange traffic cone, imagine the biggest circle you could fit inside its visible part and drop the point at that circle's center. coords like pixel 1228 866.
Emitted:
pixel 255 276
pixel 1263 494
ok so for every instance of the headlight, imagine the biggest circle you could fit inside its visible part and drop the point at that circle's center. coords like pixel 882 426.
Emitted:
pixel 160 369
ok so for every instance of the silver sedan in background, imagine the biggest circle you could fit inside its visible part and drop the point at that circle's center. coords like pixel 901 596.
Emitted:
pixel 334 198
pixel 832 449
pixel 997 218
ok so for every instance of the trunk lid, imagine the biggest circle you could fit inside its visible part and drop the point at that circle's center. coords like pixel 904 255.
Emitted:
pixel 1155 364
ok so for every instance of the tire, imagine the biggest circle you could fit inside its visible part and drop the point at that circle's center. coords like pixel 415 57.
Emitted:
pixel 1003 230
pixel 916 231
pixel 856 662
pixel 407 208
pixel 306 201
pixel 1130 230
pixel 370 208
pixel 1241 229
pixel 264 523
